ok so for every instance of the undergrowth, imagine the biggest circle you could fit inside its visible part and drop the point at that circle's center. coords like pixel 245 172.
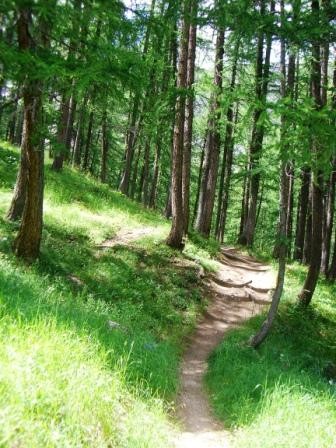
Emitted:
pixel 90 337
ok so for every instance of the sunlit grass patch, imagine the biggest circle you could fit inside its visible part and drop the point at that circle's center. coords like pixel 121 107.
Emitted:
pixel 281 394
pixel 90 337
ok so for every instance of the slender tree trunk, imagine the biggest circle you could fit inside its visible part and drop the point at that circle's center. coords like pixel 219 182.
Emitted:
pixel 89 132
pixel 331 274
pixel 308 289
pixel 284 204
pixel 189 115
pixel 329 198
pixel 199 180
pixel 19 197
pixel 104 153
pixel 177 229
pixel 88 142
pixel 244 201
pixel 262 77
pixel 302 214
pixel 130 144
pixel 212 147
pixel 225 177
pixel 79 134
pixel 308 233
pixel 332 268
pixel 142 193
pixel 156 168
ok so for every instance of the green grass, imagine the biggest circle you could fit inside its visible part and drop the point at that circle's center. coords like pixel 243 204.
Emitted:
pixel 280 395
pixel 67 379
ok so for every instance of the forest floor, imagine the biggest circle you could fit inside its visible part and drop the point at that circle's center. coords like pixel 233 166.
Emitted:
pixel 240 289
pixel 90 334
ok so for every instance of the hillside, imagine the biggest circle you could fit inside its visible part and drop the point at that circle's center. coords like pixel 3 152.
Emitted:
pixel 91 334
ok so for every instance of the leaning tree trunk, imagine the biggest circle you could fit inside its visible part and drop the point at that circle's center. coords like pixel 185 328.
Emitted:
pixel 309 286
pixel 284 201
pixel 177 229
pixel 212 147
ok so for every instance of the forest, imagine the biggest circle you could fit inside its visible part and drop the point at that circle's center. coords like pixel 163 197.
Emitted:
pixel 168 223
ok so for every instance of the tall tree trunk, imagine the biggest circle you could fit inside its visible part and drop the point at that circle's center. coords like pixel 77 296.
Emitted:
pixel 88 141
pixel 212 147
pixel 28 240
pixel 308 232
pixel 177 229
pixel 104 153
pixel 79 134
pixel 199 180
pixel 308 289
pixel 331 273
pixel 302 214
pixel 284 199
pixel 130 144
pixel 67 105
pixel 329 199
pixel 156 168
pixel 262 77
pixel 225 177
pixel 143 184
pixel 189 115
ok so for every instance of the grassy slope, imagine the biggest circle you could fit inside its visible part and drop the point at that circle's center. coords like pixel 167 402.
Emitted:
pixel 66 378
pixel 280 395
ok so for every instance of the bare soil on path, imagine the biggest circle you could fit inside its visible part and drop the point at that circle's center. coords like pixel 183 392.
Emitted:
pixel 239 290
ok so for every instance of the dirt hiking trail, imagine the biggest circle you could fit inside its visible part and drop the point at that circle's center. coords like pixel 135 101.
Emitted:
pixel 240 289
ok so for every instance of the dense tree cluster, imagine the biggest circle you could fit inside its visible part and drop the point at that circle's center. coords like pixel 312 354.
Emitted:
pixel 113 89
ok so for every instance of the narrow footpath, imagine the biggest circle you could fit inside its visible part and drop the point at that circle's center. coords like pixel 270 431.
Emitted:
pixel 239 290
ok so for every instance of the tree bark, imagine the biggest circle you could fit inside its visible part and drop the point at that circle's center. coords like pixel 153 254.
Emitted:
pixel 189 115
pixel 262 78
pixel 104 153
pixel 19 197
pixel 177 229
pixel 28 240
pixel 302 215
pixel 225 177
pixel 212 146
pixel 77 153
pixel 283 205
pixel 308 289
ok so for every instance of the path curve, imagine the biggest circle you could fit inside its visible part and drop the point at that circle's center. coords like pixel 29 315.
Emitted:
pixel 240 289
